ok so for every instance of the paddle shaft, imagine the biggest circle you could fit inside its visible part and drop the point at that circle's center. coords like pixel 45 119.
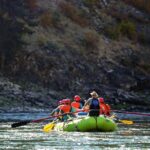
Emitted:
pixel 42 119
pixel 14 125
pixel 135 113
pixel 22 123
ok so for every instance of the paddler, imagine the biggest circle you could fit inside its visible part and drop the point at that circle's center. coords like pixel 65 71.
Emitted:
pixel 104 108
pixel 92 104
pixel 66 110
pixel 76 104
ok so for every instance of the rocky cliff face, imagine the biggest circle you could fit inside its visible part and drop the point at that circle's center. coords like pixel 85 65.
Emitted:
pixel 57 49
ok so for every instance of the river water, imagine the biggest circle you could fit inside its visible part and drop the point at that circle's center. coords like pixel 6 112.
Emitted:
pixel 31 136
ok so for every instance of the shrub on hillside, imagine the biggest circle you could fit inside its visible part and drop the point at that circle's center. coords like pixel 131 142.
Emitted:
pixel 46 19
pixel 128 29
pixel 90 40
pixel 124 28
pixel 42 40
pixel 73 13
pixel 49 19
pixel 113 32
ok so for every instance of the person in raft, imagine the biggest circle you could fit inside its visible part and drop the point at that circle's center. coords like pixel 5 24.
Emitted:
pixel 92 104
pixel 104 108
pixel 55 112
pixel 76 104
pixel 66 110
pixel 64 107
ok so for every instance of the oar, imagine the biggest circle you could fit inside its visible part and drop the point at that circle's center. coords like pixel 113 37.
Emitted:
pixel 135 113
pixel 128 122
pixel 49 127
pixel 22 123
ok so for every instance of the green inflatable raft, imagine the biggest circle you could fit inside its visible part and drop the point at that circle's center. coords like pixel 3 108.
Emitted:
pixel 87 124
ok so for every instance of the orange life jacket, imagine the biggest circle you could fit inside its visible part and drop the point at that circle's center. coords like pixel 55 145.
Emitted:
pixel 75 105
pixel 65 108
pixel 104 109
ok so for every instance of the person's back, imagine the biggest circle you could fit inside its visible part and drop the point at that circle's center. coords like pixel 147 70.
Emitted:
pixel 94 107
pixel 93 104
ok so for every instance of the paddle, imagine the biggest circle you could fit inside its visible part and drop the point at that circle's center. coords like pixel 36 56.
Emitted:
pixel 49 127
pixel 128 122
pixel 22 123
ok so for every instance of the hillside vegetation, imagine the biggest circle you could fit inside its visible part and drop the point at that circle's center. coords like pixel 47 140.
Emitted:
pixel 52 49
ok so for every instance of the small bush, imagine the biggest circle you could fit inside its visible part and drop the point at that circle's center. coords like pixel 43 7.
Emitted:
pixel 124 28
pixel 48 19
pixel 113 32
pixel 128 29
pixel 90 40
pixel 42 40
pixel 73 13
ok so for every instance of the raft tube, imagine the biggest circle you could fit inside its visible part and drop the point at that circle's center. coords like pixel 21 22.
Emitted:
pixel 87 124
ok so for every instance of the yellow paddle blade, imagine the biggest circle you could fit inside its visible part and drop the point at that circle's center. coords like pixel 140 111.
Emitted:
pixel 126 121
pixel 48 127
pixel 122 121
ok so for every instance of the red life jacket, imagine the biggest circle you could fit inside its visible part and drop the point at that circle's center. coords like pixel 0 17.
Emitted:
pixel 65 108
pixel 104 109
pixel 75 105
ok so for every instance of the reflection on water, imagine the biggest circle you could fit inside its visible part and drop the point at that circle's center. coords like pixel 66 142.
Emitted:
pixel 31 137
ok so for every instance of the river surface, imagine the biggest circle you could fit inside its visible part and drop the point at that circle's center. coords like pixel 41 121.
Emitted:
pixel 31 136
